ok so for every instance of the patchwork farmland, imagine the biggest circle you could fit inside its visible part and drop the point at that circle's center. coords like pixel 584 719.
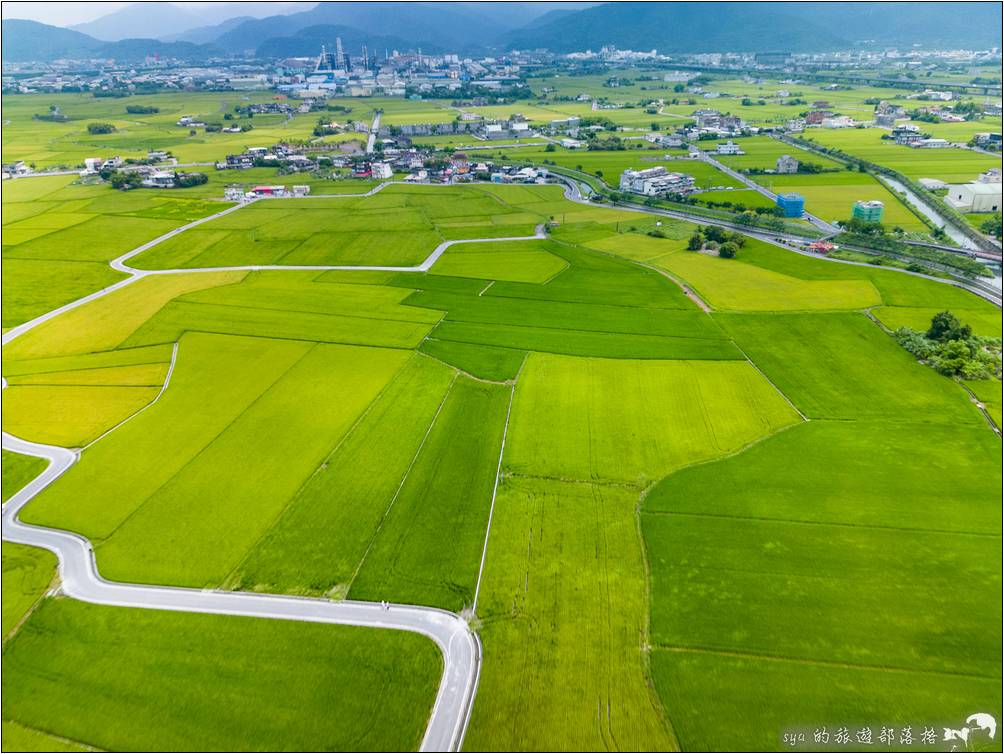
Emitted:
pixel 660 487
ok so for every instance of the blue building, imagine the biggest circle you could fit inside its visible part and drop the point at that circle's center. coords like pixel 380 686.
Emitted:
pixel 793 205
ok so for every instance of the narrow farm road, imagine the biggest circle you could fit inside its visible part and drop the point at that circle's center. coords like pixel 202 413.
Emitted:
pixel 80 580
pixel 374 132
pixel 820 223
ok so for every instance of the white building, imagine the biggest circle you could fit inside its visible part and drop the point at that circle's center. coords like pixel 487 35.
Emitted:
pixel 656 182
pixel 993 175
pixel 975 197
pixel 159 179
pixel 729 147
pixel 787 164
pixel 382 171
pixel 838 121
pixel 929 144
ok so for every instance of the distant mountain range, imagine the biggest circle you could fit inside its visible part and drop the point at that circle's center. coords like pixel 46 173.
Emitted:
pixel 756 27
pixel 470 27
pixel 166 21
pixel 30 40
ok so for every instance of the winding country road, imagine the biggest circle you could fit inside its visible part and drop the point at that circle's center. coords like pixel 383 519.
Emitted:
pixel 80 579
pixel 460 646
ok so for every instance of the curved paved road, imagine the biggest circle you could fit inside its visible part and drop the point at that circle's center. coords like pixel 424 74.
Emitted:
pixel 80 579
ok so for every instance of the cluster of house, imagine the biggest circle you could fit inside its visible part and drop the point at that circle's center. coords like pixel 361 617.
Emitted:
pixel 987 141
pixel 516 127
pixel 460 169
pixel 887 113
pixel 238 193
pixel 279 154
pixel 708 122
pixel 828 119
pixel 981 195
pixel 657 181
pixel 910 135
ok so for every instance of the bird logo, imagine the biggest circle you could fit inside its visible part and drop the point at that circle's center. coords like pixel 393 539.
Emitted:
pixel 980 721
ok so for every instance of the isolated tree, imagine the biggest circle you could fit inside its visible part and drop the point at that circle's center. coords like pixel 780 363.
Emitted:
pixel 945 326
pixel 696 242
pixel 714 233
pixel 728 250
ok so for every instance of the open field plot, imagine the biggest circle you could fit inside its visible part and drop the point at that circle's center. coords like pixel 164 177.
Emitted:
pixel 948 463
pixel 746 198
pixel 599 306
pixel 517 261
pixel 831 196
pixel 600 279
pixel 740 285
pixel 140 680
pixel 634 421
pixel 988 392
pixel 18 470
pixel 842 366
pixel 762 153
pixel 100 361
pixel 104 323
pixel 961 132
pixel 57 238
pixel 400 226
pixel 563 610
pixel 27 574
pixel 950 164
pixel 983 321
pixel 806 696
pixel 68 143
pixel 19 738
pixel 832 576
pixel 320 539
pixel 73 407
pixel 70 415
pixel 732 284
pixel 484 362
pixel 895 288
pixel 860 607
pixel 573 317
pixel 610 165
pixel 586 343
pixel 282 437
pixel 290 306
pixel 448 489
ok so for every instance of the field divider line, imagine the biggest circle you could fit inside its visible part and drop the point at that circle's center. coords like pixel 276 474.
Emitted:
pixel 198 454
pixel 228 579
pixel 495 489
pixel 50 734
pixel 841 524
pixel 982 407
pixel 163 389
pixel 770 382
pixel 404 478
pixel 812 661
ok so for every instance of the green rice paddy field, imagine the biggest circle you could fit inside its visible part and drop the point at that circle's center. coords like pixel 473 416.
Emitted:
pixel 951 164
pixel 760 510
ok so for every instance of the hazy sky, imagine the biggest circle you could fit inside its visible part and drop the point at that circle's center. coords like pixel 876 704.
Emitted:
pixel 70 13
pixel 60 14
